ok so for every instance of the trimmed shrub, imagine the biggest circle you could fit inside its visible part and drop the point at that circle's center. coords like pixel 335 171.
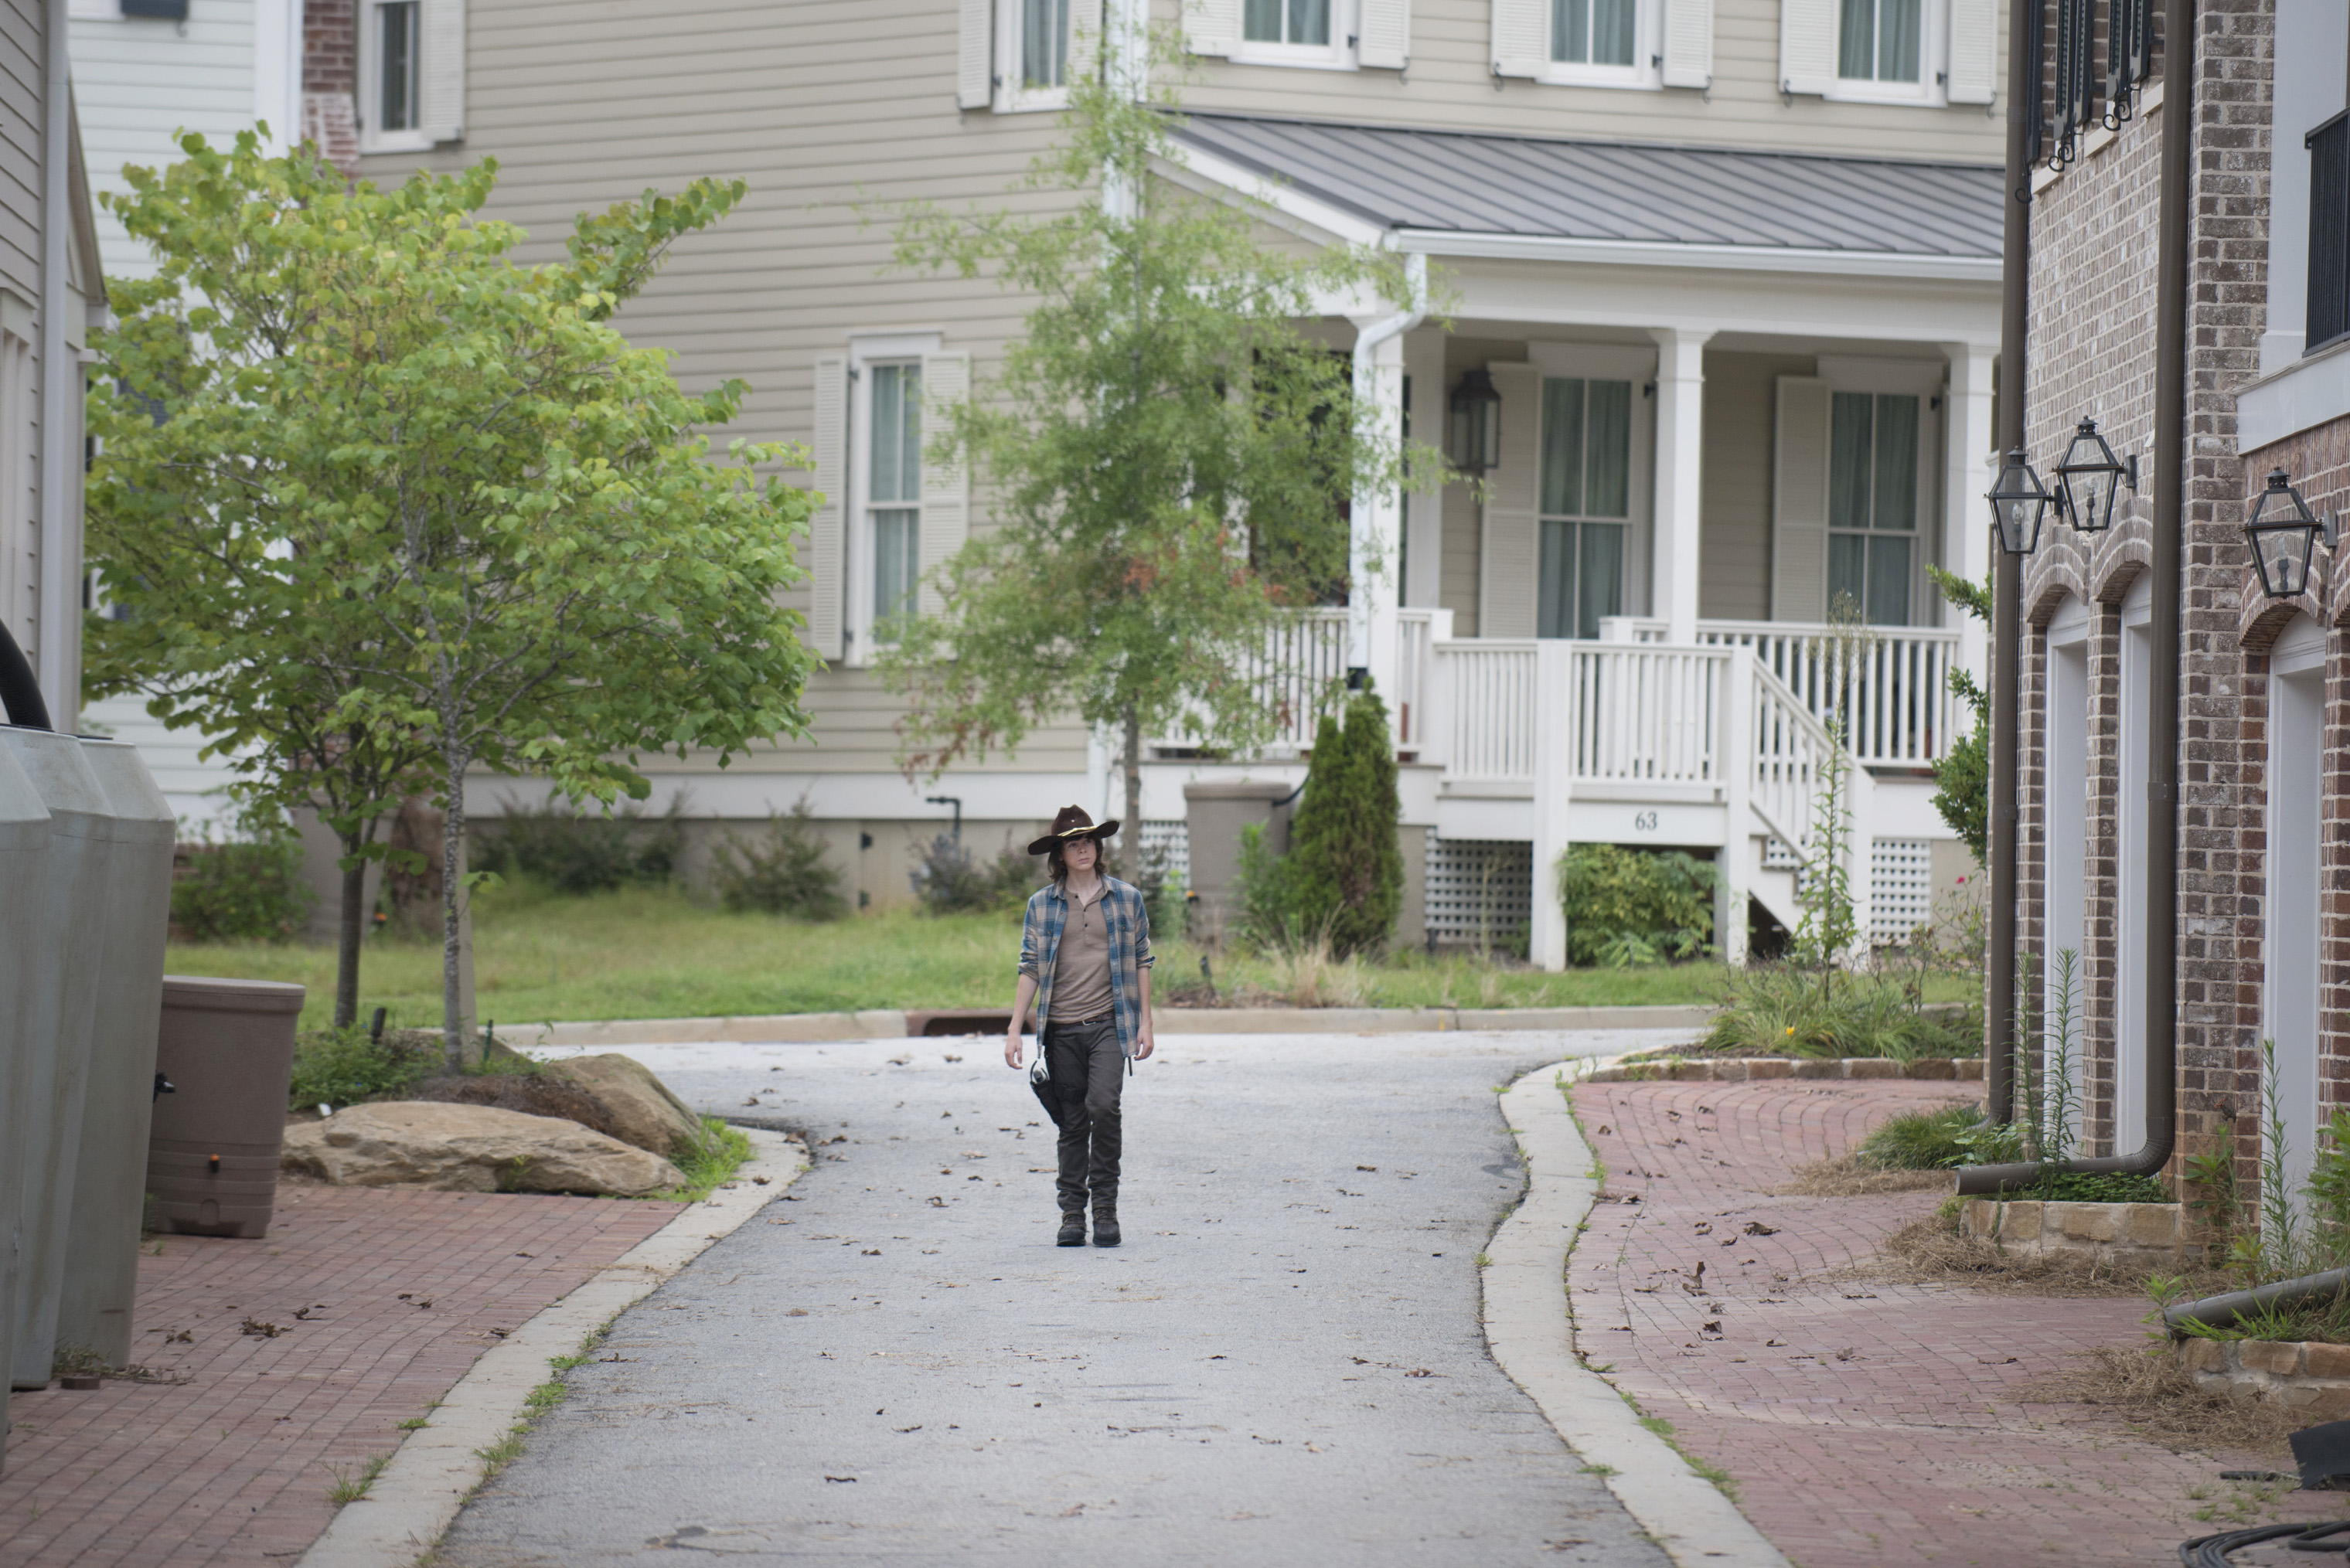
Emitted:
pixel 784 874
pixel 344 1066
pixel 1341 884
pixel 572 851
pixel 249 890
pixel 1626 907
pixel 950 879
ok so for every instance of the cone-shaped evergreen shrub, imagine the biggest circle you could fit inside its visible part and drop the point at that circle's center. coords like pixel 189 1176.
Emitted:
pixel 1344 874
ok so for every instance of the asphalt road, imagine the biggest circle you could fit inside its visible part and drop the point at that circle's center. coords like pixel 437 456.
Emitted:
pixel 1283 1364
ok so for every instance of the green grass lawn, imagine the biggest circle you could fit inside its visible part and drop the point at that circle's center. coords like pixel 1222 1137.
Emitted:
pixel 651 952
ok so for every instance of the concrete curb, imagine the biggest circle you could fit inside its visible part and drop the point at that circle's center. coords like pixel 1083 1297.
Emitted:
pixel 433 1472
pixel 1530 1327
pixel 815 1028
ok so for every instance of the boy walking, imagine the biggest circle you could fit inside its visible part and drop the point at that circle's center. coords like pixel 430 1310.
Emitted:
pixel 1085 960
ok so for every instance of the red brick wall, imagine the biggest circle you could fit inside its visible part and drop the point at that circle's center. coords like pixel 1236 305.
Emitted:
pixel 329 80
pixel 2092 353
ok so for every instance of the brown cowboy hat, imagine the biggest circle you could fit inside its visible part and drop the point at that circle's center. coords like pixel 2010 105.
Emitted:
pixel 1073 823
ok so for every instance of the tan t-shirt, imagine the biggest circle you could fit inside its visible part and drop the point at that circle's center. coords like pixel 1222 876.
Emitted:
pixel 1081 985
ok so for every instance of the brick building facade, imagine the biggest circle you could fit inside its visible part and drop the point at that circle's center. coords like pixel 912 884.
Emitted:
pixel 2264 898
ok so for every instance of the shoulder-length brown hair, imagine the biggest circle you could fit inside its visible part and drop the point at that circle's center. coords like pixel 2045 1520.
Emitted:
pixel 1056 859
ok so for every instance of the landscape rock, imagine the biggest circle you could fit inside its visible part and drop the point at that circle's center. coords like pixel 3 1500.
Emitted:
pixel 471 1148
pixel 533 1093
pixel 643 1111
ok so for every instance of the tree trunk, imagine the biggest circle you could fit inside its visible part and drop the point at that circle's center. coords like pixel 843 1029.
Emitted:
pixel 453 841
pixel 1132 766
pixel 351 927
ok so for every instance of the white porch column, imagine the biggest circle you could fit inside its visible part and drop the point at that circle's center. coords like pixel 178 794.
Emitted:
pixel 1733 871
pixel 1966 523
pixel 1554 721
pixel 1423 364
pixel 1681 472
pixel 1376 524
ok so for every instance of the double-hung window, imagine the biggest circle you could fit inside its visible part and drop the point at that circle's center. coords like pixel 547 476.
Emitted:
pixel 410 73
pixel 1594 32
pixel 1873 502
pixel 1881 41
pixel 1036 44
pixel 1585 504
pixel 1296 32
pixel 893 491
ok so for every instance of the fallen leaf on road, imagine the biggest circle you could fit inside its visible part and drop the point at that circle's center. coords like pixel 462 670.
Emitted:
pixel 260 1329
pixel 871 1253
pixel 1366 1167
pixel 758 1181
pixel 1847 1353
pixel 1711 1325
pixel 917 1426
pixel 1756 1228
pixel 1419 1372
pixel 952 1058
pixel 938 1203
pixel 752 1100
pixel 851 1480
pixel 796 1312
pixel 900 1061
pixel 1605 1128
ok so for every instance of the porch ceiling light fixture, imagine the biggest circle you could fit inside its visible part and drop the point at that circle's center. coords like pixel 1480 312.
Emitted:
pixel 2017 503
pixel 1476 424
pixel 2088 479
pixel 2283 534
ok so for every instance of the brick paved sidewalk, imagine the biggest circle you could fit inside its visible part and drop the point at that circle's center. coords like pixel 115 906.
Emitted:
pixel 1863 1423
pixel 400 1290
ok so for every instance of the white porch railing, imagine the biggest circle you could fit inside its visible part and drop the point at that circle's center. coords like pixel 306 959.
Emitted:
pixel 1790 749
pixel 1898 712
pixel 1302 674
pixel 1489 686
pixel 1646 714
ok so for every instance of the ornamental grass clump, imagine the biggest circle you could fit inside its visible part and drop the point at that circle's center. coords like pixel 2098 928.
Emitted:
pixel 1781 1010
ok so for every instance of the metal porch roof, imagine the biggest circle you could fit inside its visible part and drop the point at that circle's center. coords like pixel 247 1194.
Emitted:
pixel 1623 192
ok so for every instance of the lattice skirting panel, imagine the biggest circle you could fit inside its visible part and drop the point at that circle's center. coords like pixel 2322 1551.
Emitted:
pixel 1172 841
pixel 1900 887
pixel 1480 890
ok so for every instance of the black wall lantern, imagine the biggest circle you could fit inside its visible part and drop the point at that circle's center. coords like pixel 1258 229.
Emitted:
pixel 2284 536
pixel 2018 503
pixel 2088 480
pixel 1476 424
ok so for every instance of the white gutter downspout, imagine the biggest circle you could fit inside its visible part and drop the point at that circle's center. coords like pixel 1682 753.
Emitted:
pixel 1374 592
pixel 59 637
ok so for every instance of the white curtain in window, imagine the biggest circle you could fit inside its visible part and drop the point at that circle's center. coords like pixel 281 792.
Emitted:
pixel 946 484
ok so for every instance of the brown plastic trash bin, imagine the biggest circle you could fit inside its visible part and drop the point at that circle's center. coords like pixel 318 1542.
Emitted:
pixel 227 1048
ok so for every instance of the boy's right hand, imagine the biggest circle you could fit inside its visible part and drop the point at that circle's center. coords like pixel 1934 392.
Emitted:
pixel 1012 1047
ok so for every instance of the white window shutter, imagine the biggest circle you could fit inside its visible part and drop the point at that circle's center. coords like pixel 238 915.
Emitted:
pixel 1521 49
pixel 1807 46
pixel 1510 545
pixel 828 526
pixel 1084 41
pixel 1688 44
pixel 1383 35
pixel 441 84
pixel 1974 50
pixel 946 486
pixel 975 54
pixel 1799 503
pixel 1212 26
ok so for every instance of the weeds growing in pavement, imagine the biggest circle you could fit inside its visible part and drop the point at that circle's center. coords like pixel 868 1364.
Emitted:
pixel 351 1484
pixel 710 1164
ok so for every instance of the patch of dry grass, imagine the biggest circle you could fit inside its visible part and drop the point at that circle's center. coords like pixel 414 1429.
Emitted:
pixel 1847 1176
pixel 1930 1250
pixel 2160 1401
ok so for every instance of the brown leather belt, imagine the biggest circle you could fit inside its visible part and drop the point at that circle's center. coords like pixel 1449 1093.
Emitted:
pixel 1080 1023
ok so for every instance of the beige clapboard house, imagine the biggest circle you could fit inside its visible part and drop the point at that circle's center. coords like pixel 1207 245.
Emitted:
pixel 51 291
pixel 1725 271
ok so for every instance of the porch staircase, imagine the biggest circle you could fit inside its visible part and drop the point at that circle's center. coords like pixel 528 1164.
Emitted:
pixel 1719 743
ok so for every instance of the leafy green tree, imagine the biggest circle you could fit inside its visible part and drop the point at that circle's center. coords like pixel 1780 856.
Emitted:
pixel 1343 876
pixel 1169 454
pixel 346 423
pixel 1962 776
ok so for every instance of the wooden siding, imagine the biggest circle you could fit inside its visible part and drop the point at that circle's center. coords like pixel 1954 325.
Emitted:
pixel 137 80
pixel 1450 84
pixel 586 105
pixel 1735 502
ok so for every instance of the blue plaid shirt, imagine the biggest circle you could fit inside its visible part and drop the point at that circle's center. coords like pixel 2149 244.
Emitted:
pixel 1128 926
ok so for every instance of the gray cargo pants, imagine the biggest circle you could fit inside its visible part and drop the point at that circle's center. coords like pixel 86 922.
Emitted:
pixel 1089 1071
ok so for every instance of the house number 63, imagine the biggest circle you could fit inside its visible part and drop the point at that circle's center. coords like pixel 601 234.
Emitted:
pixel 1644 822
